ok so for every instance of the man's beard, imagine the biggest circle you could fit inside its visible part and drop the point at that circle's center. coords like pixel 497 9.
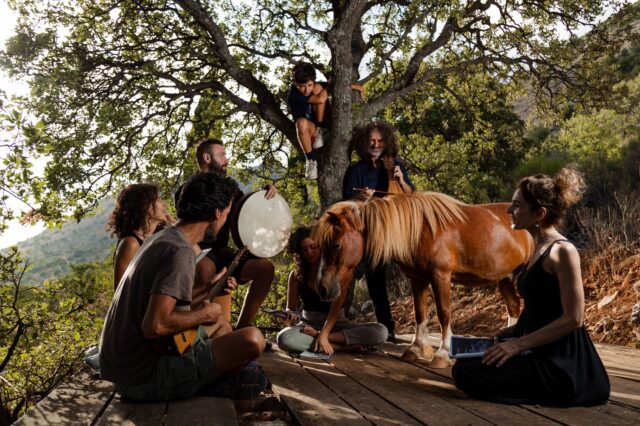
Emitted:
pixel 375 153
pixel 216 169
pixel 210 233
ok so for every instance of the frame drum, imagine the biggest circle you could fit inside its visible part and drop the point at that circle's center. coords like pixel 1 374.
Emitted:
pixel 262 225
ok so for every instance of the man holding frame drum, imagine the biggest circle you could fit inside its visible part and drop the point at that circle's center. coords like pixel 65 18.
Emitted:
pixel 212 158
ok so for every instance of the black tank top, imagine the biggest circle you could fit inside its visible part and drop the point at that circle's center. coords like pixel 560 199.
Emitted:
pixel 138 239
pixel 311 301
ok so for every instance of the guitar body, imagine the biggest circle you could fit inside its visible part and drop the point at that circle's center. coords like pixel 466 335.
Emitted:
pixel 185 339
pixel 180 342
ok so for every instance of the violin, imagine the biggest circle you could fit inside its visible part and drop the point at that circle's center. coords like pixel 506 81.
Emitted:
pixel 394 185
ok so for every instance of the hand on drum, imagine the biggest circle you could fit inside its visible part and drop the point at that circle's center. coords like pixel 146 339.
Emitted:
pixel 271 191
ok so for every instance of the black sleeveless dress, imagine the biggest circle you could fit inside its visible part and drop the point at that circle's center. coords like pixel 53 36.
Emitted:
pixel 566 372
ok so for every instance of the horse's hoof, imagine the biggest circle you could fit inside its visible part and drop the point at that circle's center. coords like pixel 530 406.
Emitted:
pixel 440 362
pixel 414 353
pixel 409 355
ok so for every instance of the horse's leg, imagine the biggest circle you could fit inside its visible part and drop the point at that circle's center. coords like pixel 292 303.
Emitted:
pixel 441 285
pixel 508 290
pixel 420 347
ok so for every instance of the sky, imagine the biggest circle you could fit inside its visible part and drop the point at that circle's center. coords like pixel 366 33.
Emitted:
pixel 16 231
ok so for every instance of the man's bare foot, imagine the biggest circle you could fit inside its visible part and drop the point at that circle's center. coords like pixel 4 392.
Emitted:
pixel 308 330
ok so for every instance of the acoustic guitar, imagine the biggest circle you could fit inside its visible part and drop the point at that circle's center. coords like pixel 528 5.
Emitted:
pixel 180 342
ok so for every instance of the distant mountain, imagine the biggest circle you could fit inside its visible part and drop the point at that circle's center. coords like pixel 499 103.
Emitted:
pixel 51 252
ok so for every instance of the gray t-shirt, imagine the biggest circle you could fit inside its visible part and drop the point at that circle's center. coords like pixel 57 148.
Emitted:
pixel 165 264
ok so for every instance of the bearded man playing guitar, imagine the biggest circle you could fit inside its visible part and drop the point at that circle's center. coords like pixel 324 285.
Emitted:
pixel 151 311
pixel 377 174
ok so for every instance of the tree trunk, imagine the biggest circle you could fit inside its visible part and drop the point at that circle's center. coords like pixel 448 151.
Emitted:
pixel 334 158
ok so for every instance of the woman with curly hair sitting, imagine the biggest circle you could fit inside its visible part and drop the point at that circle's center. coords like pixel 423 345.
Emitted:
pixel 138 212
pixel 323 325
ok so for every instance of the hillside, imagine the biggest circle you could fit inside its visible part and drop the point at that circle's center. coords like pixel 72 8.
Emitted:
pixel 51 252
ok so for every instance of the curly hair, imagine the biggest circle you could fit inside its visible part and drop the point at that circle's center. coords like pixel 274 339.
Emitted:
pixel 556 193
pixel 302 265
pixel 360 139
pixel 203 194
pixel 132 209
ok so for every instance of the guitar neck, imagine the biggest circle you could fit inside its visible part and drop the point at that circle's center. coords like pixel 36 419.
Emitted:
pixel 222 282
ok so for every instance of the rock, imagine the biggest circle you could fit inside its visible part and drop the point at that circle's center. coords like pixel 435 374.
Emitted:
pixel 367 307
pixel 607 299
pixel 636 287
pixel 605 324
pixel 635 315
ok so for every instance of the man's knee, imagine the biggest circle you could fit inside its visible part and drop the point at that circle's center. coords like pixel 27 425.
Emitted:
pixel 254 341
pixel 258 268
pixel 302 124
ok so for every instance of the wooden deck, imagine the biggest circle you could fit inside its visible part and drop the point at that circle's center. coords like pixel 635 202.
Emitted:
pixel 379 388
pixel 376 388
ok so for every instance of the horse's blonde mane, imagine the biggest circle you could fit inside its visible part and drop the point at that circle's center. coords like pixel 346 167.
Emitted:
pixel 325 230
pixel 393 226
pixel 395 223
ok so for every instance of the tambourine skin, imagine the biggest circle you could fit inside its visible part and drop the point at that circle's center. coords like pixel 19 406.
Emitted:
pixel 262 225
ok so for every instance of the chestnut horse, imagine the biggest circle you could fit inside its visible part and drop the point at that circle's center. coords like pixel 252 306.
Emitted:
pixel 435 240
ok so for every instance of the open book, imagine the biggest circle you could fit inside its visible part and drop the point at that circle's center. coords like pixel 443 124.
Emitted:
pixel 469 347
pixel 315 355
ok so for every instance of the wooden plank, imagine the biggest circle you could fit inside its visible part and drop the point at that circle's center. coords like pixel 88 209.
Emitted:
pixel 623 373
pixel 202 410
pixel 443 387
pixel 625 391
pixel 133 413
pixel 372 407
pixel 608 414
pixel 396 350
pixel 404 392
pixel 76 401
pixel 309 400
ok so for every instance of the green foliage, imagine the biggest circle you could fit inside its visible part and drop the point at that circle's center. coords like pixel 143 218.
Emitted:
pixel 52 252
pixel 116 86
pixel 44 330
pixel 460 138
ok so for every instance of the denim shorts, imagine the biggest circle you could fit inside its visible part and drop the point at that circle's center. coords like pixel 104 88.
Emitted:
pixel 177 377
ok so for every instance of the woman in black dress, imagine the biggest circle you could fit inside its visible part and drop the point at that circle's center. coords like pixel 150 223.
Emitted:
pixel 550 359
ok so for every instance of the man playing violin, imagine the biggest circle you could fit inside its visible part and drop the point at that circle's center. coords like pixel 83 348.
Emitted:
pixel 211 157
pixel 153 302
pixel 376 174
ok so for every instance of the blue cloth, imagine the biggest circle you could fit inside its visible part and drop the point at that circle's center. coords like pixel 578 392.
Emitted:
pixel 299 104
pixel 364 174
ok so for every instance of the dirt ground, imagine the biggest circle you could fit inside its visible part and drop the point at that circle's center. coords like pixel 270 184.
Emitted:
pixel 481 312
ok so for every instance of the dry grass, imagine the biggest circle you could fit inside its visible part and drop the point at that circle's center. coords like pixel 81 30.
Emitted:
pixel 609 238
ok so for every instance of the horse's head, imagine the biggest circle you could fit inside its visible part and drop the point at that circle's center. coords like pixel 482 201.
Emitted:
pixel 339 236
